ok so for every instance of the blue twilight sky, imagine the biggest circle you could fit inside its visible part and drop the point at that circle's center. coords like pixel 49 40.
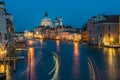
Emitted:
pixel 28 13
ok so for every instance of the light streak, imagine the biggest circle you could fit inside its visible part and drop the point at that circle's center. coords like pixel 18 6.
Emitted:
pixel 37 59
pixel 56 67
pixel 91 68
pixel 94 68
pixel 76 63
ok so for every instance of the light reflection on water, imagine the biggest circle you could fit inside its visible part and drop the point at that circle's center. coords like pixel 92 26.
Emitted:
pixel 41 41
pixel 111 62
pixel 1 68
pixel 76 64
pixel 31 62
pixel 8 74
pixel 31 56
pixel 56 68
pixel 58 61
pixel 58 46
pixel 108 56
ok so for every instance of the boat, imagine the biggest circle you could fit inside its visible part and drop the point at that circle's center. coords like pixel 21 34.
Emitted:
pixel 2 76
pixel 84 43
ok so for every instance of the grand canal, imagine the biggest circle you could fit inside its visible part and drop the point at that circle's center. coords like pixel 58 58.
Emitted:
pixel 57 60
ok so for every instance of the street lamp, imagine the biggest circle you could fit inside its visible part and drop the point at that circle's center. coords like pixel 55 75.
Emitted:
pixel 111 39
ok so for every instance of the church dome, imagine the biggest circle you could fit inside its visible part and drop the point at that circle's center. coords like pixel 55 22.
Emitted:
pixel 46 21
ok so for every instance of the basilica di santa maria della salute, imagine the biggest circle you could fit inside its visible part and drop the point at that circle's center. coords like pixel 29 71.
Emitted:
pixel 46 21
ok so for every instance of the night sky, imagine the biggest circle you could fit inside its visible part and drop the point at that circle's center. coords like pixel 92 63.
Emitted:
pixel 28 13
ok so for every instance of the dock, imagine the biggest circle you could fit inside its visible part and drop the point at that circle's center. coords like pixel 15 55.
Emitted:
pixel 112 46
pixel 7 59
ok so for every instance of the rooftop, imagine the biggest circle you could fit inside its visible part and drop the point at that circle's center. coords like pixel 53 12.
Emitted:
pixel 106 19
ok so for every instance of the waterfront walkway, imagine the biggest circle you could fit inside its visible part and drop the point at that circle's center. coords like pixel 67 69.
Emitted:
pixel 12 58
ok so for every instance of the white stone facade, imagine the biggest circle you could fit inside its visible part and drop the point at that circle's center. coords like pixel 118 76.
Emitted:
pixel 58 21
pixel 3 30
pixel 46 22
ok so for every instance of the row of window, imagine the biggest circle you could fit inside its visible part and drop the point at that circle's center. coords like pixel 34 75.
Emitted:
pixel 101 28
pixel 2 37
pixel 100 34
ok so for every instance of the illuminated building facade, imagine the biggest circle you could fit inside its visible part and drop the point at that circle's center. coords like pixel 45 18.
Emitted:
pixel 84 36
pixel 3 31
pixel 61 33
pixel 47 31
pixel 28 34
pixel 103 30
pixel 119 30
pixel 6 29
pixel 58 21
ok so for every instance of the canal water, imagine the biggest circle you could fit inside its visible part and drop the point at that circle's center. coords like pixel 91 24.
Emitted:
pixel 58 60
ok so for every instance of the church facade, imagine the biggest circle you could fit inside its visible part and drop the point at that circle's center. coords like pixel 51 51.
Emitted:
pixel 49 29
